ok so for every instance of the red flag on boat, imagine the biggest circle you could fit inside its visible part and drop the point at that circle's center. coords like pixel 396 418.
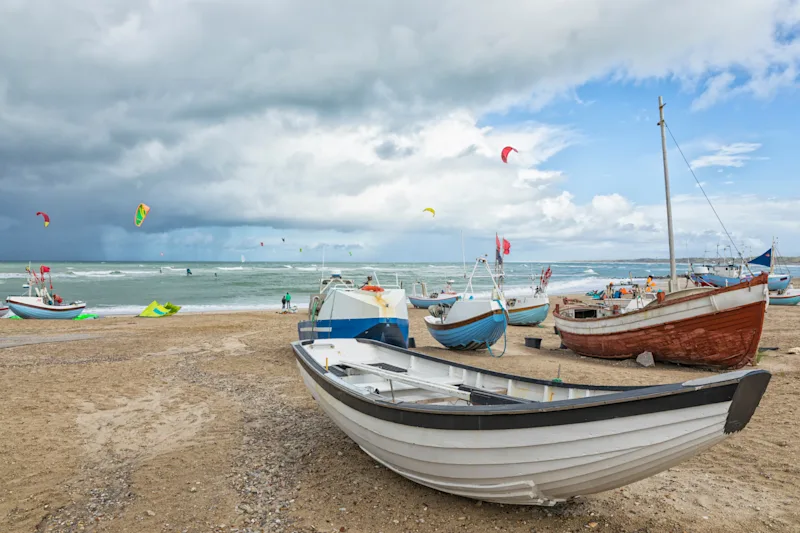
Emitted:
pixel 44 269
pixel 506 247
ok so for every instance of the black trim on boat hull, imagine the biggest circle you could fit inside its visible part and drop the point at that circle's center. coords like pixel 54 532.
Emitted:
pixel 639 401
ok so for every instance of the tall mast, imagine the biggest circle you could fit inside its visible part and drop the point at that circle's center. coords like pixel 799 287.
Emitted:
pixel 673 282
pixel 463 254
pixel 772 258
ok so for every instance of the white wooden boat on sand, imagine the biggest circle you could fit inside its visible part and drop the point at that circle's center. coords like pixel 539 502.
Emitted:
pixel 510 439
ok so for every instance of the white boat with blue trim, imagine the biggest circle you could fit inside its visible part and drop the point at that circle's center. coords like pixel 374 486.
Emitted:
pixel 423 300
pixel 790 296
pixel 511 439
pixel 39 303
pixel 469 323
pixel 342 310
pixel 530 309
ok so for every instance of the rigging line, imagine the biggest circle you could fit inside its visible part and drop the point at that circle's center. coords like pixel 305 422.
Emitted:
pixel 706 196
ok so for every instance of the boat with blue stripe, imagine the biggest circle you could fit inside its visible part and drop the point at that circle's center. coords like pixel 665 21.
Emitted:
pixel 482 325
pixel 787 297
pixel 342 310
pixel 470 323
pixel 729 274
pixel 39 303
pixel 527 311
pixel 421 299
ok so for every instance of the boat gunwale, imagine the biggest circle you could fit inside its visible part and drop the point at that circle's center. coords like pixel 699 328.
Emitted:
pixel 468 321
pixel 761 279
pixel 639 400
pixel 520 309
pixel 47 307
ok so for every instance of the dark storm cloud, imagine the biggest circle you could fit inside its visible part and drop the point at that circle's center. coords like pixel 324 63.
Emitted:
pixel 107 103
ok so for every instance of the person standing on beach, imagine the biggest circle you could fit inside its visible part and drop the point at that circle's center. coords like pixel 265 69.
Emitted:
pixel 288 300
pixel 283 302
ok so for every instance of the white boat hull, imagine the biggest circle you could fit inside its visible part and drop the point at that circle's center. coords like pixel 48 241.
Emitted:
pixel 528 463
pixel 33 307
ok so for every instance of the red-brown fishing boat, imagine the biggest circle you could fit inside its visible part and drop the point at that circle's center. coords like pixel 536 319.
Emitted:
pixel 717 328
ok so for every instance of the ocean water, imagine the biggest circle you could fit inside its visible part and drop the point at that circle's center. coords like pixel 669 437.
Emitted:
pixel 126 288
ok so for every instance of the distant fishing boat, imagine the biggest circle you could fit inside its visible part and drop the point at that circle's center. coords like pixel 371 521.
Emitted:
pixel 423 300
pixel 40 303
pixel 469 323
pixel 509 439
pixel 725 275
pixel 341 310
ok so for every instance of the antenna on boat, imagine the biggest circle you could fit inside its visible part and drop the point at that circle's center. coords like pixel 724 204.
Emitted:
pixel 463 254
pixel 672 274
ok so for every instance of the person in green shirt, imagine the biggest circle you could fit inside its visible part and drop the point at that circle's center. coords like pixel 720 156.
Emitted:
pixel 288 300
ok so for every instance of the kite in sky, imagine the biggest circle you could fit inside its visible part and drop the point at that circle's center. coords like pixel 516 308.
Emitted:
pixel 141 214
pixel 432 211
pixel 45 216
pixel 507 150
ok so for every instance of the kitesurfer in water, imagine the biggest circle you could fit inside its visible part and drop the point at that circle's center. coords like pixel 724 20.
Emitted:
pixel 188 271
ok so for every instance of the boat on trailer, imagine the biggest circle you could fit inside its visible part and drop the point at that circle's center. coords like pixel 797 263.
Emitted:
pixel 469 323
pixel 511 439
pixel 423 300
pixel 40 303
pixel 343 310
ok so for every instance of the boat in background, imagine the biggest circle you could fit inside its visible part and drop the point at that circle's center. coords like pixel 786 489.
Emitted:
pixel 510 439
pixel 711 327
pixel 725 275
pixel 530 309
pixel 423 300
pixel 39 303
pixel 790 296
pixel 343 311
pixel 3 310
pixel 469 323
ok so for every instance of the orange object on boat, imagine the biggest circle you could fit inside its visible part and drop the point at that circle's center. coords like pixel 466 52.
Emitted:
pixel 372 288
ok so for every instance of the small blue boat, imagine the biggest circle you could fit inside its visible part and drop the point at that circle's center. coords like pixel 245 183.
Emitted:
pixel 469 325
pixel 789 297
pixel 527 313
pixel 423 300
pixel 423 303
pixel 343 311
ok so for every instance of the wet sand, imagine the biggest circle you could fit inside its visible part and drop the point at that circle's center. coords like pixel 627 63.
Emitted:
pixel 201 423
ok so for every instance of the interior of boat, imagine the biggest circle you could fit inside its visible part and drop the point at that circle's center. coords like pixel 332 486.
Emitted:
pixel 400 376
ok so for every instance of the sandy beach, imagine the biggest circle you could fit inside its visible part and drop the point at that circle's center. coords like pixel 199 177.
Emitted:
pixel 201 423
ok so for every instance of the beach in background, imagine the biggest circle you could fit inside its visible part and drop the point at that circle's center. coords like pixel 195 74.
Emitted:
pixel 127 288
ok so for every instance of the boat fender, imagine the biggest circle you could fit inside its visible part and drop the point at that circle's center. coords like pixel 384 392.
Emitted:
pixel 372 288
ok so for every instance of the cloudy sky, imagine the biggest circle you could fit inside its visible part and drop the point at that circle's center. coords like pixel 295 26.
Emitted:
pixel 337 123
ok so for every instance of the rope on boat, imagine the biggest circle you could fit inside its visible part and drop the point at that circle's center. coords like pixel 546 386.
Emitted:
pixel 697 181
pixel 505 340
